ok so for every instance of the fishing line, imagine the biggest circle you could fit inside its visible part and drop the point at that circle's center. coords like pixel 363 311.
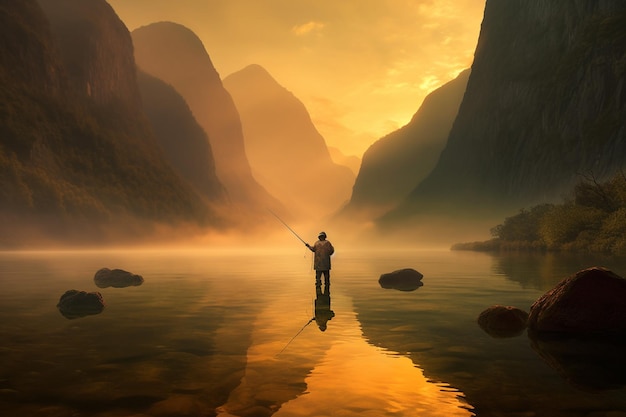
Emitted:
pixel 287 226
pixel 303 327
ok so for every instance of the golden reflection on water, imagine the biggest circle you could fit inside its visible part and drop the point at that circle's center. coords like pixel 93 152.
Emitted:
pixel 342 374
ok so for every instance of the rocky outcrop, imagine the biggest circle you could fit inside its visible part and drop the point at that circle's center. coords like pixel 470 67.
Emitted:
pixel 394 165
pixel 407 279
pixel 301 174
pixel 174 54
pixel 588 303
pixel 503 321
pixel 76 304
pixel 117 278
pixel 546 101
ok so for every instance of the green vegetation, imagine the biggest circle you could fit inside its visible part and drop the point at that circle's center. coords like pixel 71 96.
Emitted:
pixel 594 220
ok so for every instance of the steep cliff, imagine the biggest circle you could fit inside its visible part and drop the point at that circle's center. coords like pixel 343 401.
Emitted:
pixel 286 152
pixel 545 101
pixel 97 51
pixel 394 165
pixel 185 143
pixel 174 54
pixel 75 167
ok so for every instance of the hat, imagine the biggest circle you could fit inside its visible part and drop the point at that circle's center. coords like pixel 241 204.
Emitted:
pixel 320 234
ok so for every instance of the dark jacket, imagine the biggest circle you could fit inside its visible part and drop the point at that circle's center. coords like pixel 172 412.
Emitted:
pixel 323 249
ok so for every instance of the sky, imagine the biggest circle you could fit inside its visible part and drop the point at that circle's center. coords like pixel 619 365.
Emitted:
pixel 361 67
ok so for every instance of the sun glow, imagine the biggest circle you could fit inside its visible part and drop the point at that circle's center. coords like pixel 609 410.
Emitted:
pixel 333 52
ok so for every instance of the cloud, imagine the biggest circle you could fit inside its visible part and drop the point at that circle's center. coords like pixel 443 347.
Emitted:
pixel 301 30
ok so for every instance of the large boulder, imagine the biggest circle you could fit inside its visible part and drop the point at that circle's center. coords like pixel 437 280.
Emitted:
pixel 406 279
pixel 503 321
pixel 591 302
pixel 117 278
pixel 75 304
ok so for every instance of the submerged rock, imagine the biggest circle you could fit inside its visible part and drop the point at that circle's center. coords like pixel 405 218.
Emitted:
pixel 75 304
pixel 117 278
pixel 402 279
pixel 588 303
pixel 503 321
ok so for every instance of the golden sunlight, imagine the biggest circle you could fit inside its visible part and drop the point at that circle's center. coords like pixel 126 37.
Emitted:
pixel 336 57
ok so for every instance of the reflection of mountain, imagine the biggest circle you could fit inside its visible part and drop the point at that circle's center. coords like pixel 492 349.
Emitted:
pixel 287 153
pixel 76 152
pixel 394 165
pixel 542 271
pixel 496 376
pixel 545 101
pixel 176 55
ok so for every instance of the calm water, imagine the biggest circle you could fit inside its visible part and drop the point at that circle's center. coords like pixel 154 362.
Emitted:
pixel 229 333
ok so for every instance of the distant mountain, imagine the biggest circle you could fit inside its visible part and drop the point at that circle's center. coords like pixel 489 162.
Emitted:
pixel 546 101
pixel 77 157
pixel 394 165
pixel 185 143
pixel 351 161
pixel 174 54
pixel 286 152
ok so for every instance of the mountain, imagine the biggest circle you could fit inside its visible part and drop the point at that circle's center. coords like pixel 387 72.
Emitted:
pixel 77 157
pixel 351 161
pixel 185 143
pixel 545 102
pixel 286 152
pixel 394 165
pixel 175 55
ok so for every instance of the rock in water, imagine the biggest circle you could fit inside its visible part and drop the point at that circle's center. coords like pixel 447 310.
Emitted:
pixel 588 303
pixel 503 321
pixel 117 278
pixel 75 304
pixel 402 279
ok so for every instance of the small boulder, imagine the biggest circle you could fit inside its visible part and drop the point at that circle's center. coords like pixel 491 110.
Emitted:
pixel 75 304
pixel 117 278
pixel 588 303
pixel 402 279
pixel 503 321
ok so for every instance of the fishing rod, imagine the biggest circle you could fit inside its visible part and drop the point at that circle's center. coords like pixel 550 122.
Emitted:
pixel 287 226
pixel 303 327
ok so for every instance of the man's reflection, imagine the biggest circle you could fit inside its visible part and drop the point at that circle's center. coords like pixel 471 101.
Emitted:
pixel 323 313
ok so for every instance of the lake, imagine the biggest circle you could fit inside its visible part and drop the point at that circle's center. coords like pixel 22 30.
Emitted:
pixel 232 332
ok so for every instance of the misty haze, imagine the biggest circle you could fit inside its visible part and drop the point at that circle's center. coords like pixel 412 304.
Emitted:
pixel 315 208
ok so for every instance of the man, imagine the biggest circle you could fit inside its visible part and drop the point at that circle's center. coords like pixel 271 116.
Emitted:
pixel 321 262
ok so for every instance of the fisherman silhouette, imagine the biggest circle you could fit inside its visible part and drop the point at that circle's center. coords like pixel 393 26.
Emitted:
pixel 323 313
pixel 323 249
